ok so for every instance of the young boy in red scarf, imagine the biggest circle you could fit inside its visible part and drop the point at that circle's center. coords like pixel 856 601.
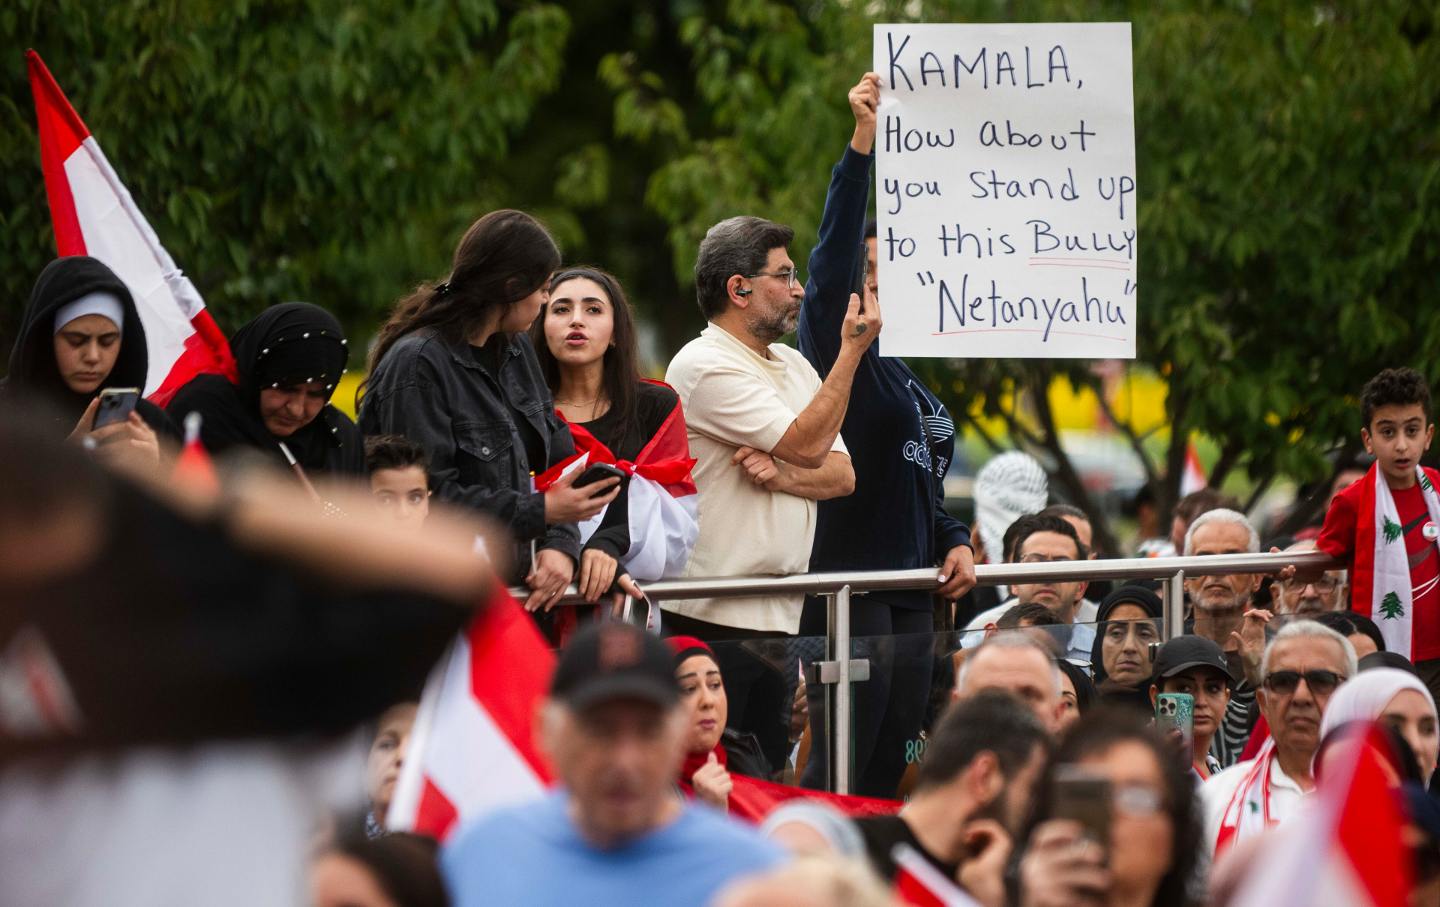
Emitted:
pixel 1387 524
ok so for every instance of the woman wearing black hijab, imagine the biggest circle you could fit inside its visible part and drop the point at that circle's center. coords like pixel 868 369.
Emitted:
pixel 80 334
pixel 1128 621
pixel 289 360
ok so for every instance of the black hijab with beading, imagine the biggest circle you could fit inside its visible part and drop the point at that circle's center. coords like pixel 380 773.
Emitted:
pixel 294 343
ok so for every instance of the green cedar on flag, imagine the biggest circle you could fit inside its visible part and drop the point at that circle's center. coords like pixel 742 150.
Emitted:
pixel 1390 606
pixel 1392 530
pixel 1425 481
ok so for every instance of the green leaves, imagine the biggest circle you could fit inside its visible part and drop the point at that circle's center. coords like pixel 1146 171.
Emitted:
pixel 285 151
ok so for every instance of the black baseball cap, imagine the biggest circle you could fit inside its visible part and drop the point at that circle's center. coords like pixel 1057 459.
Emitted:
pixel 615 660
pixel 1185 652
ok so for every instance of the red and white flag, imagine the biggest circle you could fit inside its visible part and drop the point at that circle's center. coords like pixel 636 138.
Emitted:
pixel 472 749
pixel 94 215
pixel 1193 478
pixel 662 498
pixel 1348 850
pixel 193 467
pixel 919 883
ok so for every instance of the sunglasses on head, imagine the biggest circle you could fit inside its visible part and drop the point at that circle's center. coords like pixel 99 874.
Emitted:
pixel 1320 683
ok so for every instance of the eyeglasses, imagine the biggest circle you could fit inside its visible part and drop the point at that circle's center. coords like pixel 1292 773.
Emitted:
pixel 791 277
pixel 1321 683
pixel 1324 585
pixel 1137 800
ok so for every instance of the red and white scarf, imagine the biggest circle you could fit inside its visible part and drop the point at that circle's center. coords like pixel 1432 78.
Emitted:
pixel 1391 598
pixel 1249 811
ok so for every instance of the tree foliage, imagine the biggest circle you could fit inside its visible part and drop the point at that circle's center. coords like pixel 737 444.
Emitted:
pixel 1287 160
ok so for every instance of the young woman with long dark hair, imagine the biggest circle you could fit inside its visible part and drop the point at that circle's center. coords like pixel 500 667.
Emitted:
pixel 454 370
pixel 585 342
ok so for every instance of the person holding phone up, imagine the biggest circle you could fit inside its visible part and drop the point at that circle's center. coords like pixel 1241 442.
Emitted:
pixel 454 370
pixel 1196 667
pixel 1116 821
pixel 81 336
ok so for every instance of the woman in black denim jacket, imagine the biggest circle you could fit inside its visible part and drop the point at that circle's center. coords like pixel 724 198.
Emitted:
pixel 454 371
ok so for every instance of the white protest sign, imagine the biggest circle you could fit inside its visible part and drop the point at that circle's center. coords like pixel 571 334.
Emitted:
pixel 1005 190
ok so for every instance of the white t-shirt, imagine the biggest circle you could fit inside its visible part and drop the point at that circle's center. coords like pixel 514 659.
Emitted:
pixel 1215 795
pixel 734 397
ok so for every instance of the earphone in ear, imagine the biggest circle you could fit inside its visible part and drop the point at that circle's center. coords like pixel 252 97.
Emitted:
pixel 743 292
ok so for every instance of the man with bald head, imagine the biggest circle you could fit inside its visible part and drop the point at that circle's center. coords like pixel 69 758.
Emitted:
pixel 1019 664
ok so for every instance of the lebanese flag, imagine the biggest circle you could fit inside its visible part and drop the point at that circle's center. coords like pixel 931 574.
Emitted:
pixel 472 749
pixel 663 501
pixel 193 466
pixel 94 215
pixel 1193 478
pixel 1349 851
pixel 917 882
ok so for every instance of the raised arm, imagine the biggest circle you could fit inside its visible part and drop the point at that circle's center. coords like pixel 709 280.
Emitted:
pixel 836 256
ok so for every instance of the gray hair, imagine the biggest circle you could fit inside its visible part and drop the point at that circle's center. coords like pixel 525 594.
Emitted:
pixel 1222 515
pixel 829 823
pixel 1013 640
pixel 1309 629
pixel 739 245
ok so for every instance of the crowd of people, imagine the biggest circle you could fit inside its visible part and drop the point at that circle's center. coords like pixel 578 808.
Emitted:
pixel 173 643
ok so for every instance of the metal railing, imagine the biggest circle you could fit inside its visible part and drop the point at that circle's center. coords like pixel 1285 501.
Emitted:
pixel 841 671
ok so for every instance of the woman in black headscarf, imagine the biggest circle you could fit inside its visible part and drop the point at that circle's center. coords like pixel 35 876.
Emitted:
pixel 1128 621
pixel 289 360
pixel 80 334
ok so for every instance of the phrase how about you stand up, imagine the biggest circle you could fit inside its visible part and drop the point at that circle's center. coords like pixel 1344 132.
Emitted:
pixel 1005 190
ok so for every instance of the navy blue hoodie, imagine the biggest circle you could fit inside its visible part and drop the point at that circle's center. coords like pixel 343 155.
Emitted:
pixel 900 437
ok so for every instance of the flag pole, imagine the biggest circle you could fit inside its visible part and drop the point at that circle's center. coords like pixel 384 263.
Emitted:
pixel 300 473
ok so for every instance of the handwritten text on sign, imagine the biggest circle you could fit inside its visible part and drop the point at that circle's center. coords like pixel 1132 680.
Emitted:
pixel 1005 189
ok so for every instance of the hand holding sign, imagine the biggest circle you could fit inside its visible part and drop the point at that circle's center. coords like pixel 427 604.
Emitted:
pixel 1006 189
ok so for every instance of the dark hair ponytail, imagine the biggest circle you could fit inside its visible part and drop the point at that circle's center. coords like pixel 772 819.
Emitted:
pixel 503 258
pixel 620 377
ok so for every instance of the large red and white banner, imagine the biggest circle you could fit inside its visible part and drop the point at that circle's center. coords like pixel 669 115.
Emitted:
pixel 94 215
pixel 473 747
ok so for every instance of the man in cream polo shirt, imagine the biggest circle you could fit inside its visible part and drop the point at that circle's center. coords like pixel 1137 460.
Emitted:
pixel 765 431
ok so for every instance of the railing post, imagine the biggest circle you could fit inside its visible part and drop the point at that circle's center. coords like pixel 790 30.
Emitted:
pixel 841 751
pixel 1175 605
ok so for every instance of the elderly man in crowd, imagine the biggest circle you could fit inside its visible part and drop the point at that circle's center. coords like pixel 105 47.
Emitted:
pixel 765 431
pixel 1019 664
pixel 1041 539
pixel 972 796
pixel 1223 612
pixel 616 832
pixel 1306 595
pixel 1220 602
pixel 1301 669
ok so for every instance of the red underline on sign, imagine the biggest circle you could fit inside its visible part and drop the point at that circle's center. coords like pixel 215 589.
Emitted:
pixel 1077 264
pixel 1030 331
pixel 1111 261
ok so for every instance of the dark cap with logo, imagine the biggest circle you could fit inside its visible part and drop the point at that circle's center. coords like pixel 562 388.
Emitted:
pixel 614 660
pixel 1185 652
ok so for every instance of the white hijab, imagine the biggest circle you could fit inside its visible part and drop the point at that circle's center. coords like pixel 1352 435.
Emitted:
pixel 1365 696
